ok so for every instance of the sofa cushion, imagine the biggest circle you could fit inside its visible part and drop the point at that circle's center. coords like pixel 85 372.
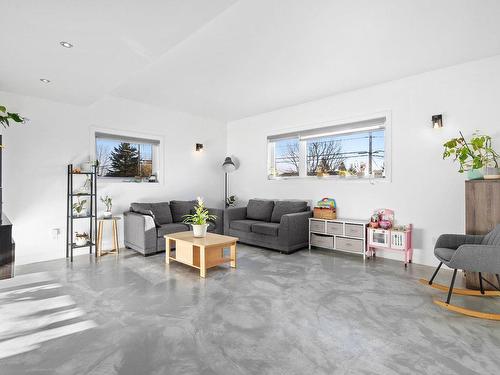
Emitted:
pixel 143 209
pixel 270 229
pixel 172 228
pixel 243 225
pixel 181 208
pixel 287 207
pixel 260 209
pixel 161 212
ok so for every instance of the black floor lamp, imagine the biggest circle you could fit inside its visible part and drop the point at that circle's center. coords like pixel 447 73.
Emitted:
pixel 228 167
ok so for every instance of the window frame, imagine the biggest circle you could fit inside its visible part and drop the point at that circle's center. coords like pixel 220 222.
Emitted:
pixel 318 128
pixel 157 153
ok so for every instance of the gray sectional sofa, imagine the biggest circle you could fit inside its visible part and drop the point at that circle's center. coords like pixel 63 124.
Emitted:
pixel 278 225
pixel 146 224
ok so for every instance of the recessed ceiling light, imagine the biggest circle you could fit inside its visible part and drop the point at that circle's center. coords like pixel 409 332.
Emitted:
pixel 66 44
pixel 45 80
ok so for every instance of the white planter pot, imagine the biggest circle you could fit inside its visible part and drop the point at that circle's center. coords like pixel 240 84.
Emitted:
pixel 491 173
pixel 107 214
pixel 81 241
pixel 199 230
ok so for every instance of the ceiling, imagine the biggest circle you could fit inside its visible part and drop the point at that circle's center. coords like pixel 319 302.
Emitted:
pixel 229 59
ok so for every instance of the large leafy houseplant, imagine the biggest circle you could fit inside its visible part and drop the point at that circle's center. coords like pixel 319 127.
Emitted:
pixel 199 219
pixel 475 153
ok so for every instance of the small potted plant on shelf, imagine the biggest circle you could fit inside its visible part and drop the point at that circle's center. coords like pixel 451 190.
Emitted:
pixel 81 239
pixel 109 205
pixel 199 220
pixel 79 207
pixel 475 156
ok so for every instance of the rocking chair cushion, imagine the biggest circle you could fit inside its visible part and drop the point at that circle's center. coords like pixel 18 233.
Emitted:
pixel 444 254
pixel 476 258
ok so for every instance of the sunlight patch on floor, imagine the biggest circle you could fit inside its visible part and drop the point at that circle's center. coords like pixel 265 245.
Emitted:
pixel 33 310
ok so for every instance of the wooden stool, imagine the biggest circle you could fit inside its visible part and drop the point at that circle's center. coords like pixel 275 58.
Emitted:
pixel 114 233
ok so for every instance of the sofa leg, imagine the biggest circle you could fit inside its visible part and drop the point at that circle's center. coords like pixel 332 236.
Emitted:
pixel 435 273
pixel 451 286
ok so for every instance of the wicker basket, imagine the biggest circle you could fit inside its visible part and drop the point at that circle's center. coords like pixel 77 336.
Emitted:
pixel 325 213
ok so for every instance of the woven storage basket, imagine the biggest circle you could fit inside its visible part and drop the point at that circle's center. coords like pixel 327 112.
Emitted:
pixel 325 213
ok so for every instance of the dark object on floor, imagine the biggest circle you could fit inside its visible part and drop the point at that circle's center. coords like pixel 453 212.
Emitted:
pixel 7 249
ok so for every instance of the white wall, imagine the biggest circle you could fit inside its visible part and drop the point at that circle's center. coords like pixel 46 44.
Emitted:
pixel 425 190
pixel 36 155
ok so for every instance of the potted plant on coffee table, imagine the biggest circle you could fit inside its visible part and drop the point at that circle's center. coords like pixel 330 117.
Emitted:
pixel 199 220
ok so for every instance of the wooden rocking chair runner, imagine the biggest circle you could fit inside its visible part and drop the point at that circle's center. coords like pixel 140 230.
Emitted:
pixel 473 253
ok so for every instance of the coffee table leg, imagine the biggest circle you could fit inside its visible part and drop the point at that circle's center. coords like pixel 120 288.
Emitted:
pixel 233 255
pixel 203 265
pixel 168 243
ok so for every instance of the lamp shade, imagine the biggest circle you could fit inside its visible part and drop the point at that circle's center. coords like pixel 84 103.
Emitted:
pixel 228 165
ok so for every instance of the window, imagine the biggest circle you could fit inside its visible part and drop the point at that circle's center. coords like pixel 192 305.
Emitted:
pixel 355 150
pixel 127 158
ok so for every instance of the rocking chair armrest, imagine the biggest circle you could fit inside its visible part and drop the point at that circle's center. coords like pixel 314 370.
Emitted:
pixel 477 258
pixel 454 241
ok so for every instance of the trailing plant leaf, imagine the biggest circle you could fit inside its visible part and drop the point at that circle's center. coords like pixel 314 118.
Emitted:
pixel 6 116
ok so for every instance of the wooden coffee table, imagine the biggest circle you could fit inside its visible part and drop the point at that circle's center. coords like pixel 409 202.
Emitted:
pixel 201 253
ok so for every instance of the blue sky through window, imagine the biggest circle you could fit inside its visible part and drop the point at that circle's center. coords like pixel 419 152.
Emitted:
pixel 331 154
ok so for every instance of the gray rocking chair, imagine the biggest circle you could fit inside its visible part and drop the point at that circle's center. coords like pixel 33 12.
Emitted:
pixel 473 253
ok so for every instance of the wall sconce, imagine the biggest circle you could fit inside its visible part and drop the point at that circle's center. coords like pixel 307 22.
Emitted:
pixel 199 147
pixel 437 121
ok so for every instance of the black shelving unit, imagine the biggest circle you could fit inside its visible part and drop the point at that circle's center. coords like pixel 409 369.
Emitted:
pixel 91 217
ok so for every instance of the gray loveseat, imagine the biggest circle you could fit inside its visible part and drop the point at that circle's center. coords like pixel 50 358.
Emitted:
pixel 277 225
pixel 146 224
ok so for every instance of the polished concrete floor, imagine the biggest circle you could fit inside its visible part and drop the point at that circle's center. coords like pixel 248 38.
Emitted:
pixel 306 313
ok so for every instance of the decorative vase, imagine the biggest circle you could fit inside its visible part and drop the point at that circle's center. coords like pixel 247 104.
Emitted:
pixel 199 231
pixel 81 241
pixel 475 174
pixel 108 214
pixel 491 173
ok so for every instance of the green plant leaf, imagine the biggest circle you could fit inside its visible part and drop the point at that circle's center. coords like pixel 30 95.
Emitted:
pixel 16 117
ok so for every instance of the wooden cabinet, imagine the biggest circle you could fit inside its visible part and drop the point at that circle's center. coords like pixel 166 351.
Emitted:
pixel 482 214
pixel 482 206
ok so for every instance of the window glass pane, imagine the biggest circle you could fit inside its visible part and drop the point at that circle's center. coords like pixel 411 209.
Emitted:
pixel 354 154
pixel 286 158
pixel 124 159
